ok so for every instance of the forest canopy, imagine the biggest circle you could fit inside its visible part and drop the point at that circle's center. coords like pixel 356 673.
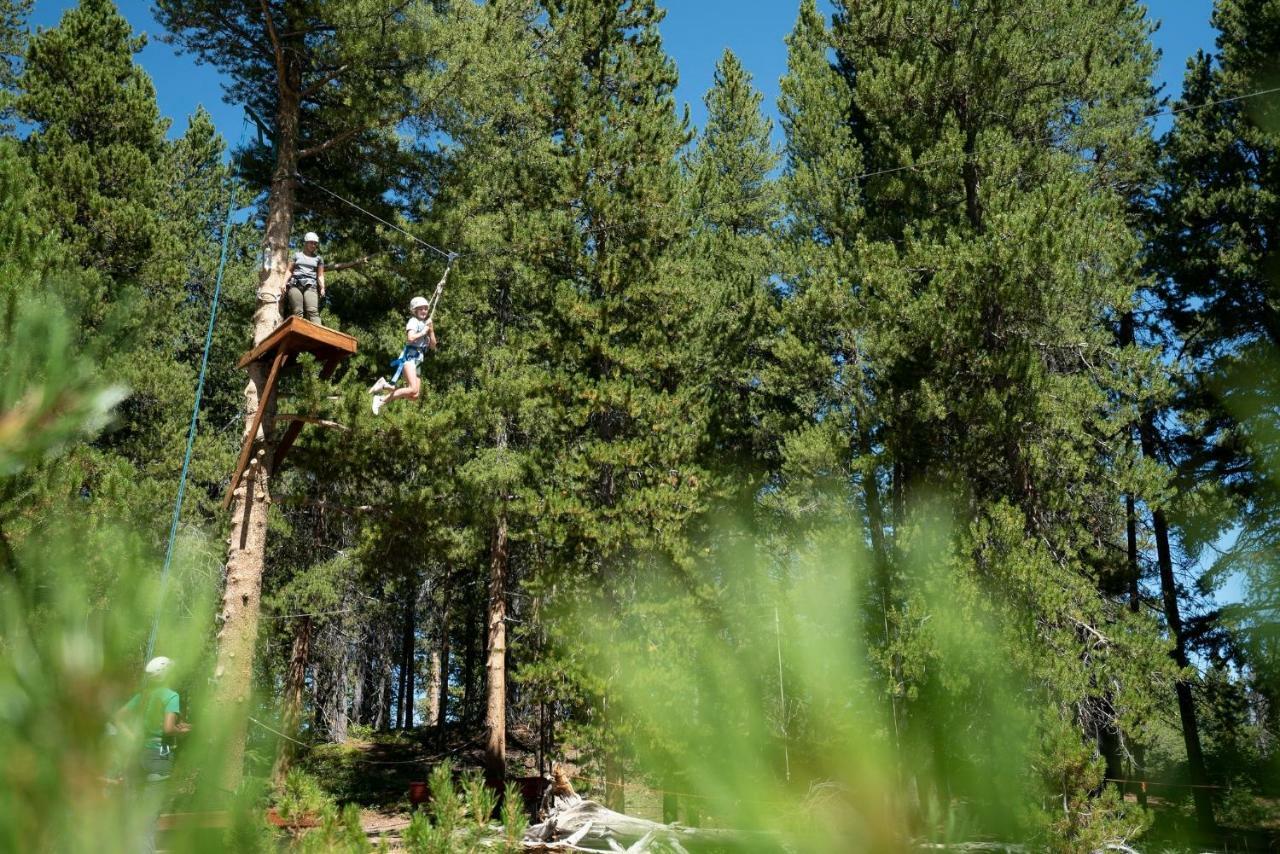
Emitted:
pixel 855 484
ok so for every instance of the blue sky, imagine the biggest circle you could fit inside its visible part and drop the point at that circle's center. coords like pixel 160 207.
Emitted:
pixel 696 33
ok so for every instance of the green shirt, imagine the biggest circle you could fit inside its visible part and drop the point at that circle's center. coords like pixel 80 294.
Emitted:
pixel 159 702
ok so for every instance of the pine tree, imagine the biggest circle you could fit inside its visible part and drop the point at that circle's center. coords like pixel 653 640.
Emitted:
pixel 1213 226
pixel 963 296
pixel 627 475
pixel 332 82
pixel 13 46
pixel 97 133
pixel 735 208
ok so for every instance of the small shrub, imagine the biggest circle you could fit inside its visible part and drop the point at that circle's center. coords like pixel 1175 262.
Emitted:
pixel 338 831
pixel 514 820
pixel 480 799
pixel 303 795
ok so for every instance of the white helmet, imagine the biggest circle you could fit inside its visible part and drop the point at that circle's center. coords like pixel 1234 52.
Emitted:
pixel 158 667
pixel 417 303
pixel 311 237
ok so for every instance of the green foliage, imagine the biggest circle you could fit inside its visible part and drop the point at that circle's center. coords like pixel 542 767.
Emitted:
pixel 447 829
pixel 13 41
pixel 303 796
pixel 97 137
pixel 646 332
pixel 480 800
pixel 339 830
pixel 514 820
pixel 79 595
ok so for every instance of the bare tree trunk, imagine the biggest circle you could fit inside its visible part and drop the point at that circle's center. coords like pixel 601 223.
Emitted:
pixel 433 688
pixel 295 682
pixel 402 673
pixel 358 685
pixel 442 699
pixel 250 503
pixel 384 690
pixel 406 668
pixel 495 752
pixel 1186 703
pixel 1138 751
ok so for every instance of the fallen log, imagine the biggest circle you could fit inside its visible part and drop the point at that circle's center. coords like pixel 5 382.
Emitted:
pixel 573 823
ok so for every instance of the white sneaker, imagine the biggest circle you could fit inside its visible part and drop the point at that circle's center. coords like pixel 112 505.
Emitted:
pixel 380 385
pixel 379 401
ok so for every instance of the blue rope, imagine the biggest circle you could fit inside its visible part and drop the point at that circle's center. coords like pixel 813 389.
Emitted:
pixel 195 414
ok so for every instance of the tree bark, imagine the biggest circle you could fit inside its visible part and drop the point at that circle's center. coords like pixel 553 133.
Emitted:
pixel 250 503
pixel 433 688
pixel 495 752
pixel 1138 751
pixel 442 701
pixel 406 668
pixel 295 683
pixel 1173 617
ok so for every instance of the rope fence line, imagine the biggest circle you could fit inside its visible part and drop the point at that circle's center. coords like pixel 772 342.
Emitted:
pixel 357 759
pixel 1145 783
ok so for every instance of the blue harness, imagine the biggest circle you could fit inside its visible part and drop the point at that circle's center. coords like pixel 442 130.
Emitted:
pixel 410 353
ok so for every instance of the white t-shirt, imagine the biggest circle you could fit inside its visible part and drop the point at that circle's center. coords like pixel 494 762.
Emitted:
pixel 417 330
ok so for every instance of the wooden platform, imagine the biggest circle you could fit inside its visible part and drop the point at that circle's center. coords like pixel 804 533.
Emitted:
pixel 295 335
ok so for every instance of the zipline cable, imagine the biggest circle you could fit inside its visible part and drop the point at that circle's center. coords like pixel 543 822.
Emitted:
pixel 447 256
pixel 195 408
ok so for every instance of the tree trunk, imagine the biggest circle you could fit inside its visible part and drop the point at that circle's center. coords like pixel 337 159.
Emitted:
pixel 442 699
pixel 295 682
pixel 359 683
pixel 1186 704
pixel 402 673
pixel 433 688
pixel 338 704
pixel 1138 751
pixel 495 751
pixel 470 666
pixel 250 503
pixel 384 691
pixel 406 668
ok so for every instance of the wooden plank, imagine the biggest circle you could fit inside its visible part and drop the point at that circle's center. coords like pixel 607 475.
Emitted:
pixel 264 400
pixel 296 334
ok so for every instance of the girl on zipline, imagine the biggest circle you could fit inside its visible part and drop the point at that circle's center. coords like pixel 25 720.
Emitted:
pixel 306 279
pixel 420 336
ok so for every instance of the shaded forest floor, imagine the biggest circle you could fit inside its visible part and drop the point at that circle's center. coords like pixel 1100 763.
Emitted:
pixel 374 772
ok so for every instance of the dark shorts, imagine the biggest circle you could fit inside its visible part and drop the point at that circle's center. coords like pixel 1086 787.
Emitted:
pixel 155 764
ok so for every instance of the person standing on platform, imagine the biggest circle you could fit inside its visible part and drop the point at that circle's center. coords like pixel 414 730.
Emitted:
pixel 306 279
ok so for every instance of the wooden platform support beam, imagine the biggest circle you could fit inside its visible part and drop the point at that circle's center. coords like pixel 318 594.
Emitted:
pixel 294 336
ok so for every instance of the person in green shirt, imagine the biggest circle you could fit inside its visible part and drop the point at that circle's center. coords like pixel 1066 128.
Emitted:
pixel 152 715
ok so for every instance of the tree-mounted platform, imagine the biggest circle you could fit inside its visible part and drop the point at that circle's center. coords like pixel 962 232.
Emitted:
pixel 294 336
